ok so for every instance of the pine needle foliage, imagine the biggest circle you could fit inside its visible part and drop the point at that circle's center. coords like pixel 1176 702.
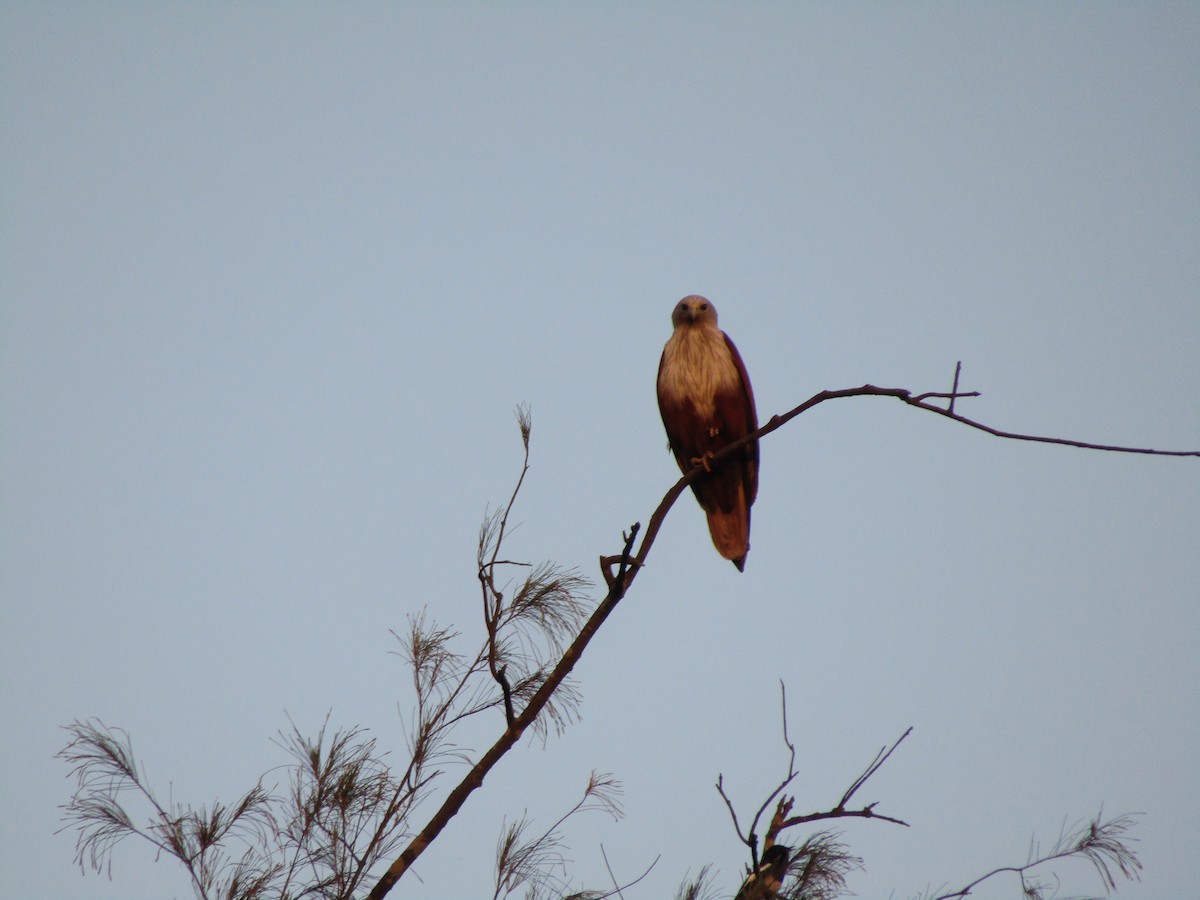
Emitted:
pixel 537 862
pixel 343 809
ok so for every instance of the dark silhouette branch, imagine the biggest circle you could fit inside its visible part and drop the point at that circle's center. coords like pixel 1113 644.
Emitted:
pixel 617 886
pixel 745 839
pixel 817 868
pixel 774 828
pixel 623 561
pixel 840 811
pixel 920 401
pixel 880 758
pixel 867 812
pixel 782 819
pixel 784 805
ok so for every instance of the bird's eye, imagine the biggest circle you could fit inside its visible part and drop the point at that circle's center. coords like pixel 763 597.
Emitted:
pixel 703 306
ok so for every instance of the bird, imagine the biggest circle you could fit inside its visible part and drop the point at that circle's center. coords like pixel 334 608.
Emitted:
pixel 765 882
pixel 706 403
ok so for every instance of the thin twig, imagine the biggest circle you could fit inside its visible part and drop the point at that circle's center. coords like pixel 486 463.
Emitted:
pixel 783 713
pixel 782 818
pixel 732 812
pixel 918 401
pixel 880 758
pixel 617 888
pixel 784 806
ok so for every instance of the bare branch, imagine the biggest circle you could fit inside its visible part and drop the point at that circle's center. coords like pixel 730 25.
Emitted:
pixel 919 401
pixel 867 812
pixel 613 878
pixel 782 818
pixel 784 805
pixel 732 812
pixel 880 758
pixel 817 870
pixel 618 888
pixel 607 562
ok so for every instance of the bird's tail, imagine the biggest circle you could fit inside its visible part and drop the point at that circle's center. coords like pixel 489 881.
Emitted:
pixel 731 533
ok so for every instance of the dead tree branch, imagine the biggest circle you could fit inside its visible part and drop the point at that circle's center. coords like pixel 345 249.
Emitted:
pixel 817 868
pixel 782 818
pixel 921 401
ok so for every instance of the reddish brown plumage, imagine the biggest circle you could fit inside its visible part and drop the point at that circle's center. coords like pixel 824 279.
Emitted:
pixel 706 402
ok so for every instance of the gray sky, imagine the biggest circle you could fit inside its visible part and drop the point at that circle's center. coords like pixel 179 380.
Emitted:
pixel 276 275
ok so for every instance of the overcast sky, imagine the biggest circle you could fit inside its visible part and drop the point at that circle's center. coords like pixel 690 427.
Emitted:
pixel 275 276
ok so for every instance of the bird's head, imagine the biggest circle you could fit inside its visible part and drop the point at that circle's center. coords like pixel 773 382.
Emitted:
pixel 694 310
pixel 776 858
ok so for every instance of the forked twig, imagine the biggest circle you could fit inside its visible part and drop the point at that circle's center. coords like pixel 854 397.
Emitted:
pixel 880 758
pixel 782 818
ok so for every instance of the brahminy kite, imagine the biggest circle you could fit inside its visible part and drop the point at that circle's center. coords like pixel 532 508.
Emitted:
pixel 706 403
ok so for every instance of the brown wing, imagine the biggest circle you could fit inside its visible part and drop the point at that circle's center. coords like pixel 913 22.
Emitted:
pixel 743 416
pixel 728 492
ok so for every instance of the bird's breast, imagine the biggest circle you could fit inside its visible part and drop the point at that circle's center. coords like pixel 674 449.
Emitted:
pixel 697 366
